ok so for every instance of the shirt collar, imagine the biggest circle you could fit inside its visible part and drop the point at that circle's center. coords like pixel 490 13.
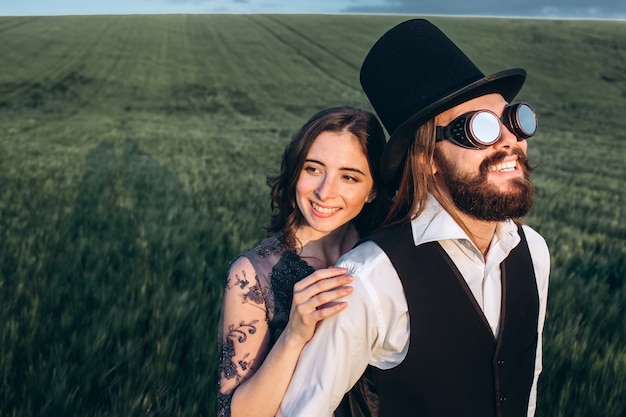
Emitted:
pixel 434 224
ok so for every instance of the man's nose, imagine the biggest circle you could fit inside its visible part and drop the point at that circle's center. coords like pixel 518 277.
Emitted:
pixel 507 138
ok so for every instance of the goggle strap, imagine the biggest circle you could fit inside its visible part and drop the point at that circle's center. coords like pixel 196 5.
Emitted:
pixel 439 134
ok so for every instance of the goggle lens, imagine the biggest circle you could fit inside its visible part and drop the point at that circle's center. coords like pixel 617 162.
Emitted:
pixel 484 127
pixel 481 129
pixel 526 119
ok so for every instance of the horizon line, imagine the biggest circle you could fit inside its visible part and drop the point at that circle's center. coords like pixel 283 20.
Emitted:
pixel 539 17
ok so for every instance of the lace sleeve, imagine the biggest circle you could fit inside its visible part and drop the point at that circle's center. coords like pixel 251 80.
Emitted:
pixel 244 336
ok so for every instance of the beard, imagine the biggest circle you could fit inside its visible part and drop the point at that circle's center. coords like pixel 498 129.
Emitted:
pixel 475 196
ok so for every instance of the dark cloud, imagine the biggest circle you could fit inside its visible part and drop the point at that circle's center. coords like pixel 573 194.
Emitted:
pixel 522 8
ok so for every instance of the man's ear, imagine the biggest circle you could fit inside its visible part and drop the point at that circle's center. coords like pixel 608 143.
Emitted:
pixel 434 168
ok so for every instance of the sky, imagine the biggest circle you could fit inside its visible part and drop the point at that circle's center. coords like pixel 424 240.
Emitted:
pixel 575 9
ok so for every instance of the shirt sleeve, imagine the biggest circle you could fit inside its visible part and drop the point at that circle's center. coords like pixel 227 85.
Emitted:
pixel 373 329
pixel 243 332
pixel 541 262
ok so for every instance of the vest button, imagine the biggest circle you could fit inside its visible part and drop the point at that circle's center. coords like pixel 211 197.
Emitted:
pixel 503 399
pixel 500 362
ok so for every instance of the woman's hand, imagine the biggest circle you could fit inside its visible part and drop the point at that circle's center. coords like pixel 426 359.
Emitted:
pixel 314 299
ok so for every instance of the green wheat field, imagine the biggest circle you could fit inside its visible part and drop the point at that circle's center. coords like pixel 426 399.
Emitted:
pixel 133 155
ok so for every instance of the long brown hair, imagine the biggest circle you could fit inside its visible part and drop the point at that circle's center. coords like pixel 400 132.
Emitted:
pixel 417 180
pixel 286 216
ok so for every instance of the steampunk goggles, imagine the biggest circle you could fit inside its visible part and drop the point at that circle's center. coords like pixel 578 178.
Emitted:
pixel 482 128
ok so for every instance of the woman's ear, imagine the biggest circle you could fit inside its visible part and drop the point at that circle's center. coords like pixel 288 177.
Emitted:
pixel 371 197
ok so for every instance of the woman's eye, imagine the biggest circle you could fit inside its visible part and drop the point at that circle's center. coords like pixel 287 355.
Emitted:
pixel 311 169
pixel 350 178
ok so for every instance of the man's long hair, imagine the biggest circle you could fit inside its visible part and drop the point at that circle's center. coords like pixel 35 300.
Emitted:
pixel 417 181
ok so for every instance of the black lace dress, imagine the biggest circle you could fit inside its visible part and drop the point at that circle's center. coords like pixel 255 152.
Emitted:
pixel 265 290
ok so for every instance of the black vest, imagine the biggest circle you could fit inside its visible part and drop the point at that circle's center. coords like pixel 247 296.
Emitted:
pixel 454 366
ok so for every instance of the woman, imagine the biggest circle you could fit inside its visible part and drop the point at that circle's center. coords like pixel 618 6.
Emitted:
pixel 325 197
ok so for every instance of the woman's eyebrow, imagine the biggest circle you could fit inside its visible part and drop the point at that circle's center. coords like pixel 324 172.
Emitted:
pixel 353 170
pixel 315 161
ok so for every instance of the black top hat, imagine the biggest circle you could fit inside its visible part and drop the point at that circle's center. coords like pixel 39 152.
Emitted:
pixel 413 73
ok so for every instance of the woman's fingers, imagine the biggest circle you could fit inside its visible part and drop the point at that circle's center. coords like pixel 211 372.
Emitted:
pixel 320 286
pixel 319 275
pixel 319 300
pixel 316 298
pixel 324 311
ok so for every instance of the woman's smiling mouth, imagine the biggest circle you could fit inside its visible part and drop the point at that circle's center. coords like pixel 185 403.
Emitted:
pixel 324 210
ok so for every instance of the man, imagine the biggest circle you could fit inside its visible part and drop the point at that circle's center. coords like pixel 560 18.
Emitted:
pixel 449 299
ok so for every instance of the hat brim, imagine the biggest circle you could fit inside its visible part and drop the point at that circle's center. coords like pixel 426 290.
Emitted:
pixel 507 83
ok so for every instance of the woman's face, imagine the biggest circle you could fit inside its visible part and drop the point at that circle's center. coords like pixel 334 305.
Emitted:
pixel 334 183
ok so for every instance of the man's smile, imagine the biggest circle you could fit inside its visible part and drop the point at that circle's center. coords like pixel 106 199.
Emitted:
pixel 503 166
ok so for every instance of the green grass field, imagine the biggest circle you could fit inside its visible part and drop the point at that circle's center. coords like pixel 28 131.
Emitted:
pixel 133 151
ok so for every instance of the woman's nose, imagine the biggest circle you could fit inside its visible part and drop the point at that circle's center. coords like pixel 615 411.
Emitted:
pixel 326 189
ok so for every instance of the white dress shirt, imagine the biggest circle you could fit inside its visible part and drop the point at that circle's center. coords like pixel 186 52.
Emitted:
pixel 374 328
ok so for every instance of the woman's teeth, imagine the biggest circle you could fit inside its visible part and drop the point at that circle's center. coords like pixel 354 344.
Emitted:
pixel 324 210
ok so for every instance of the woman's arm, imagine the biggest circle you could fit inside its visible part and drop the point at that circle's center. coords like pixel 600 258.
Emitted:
pixel 244 330
pixel 258 383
